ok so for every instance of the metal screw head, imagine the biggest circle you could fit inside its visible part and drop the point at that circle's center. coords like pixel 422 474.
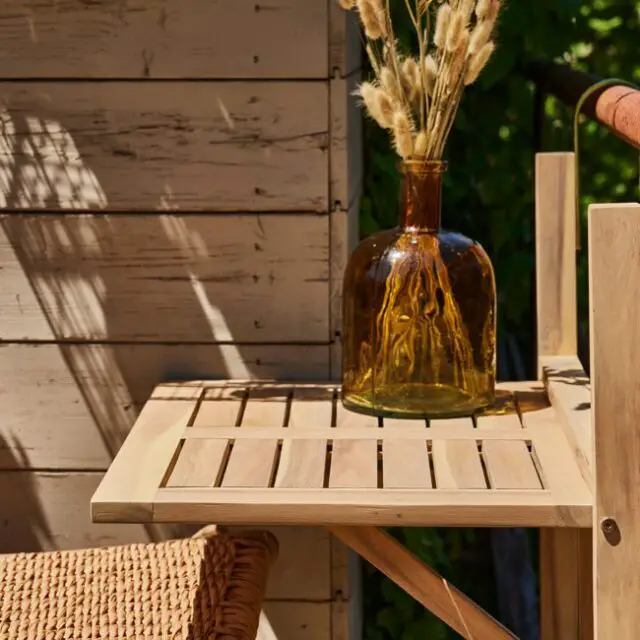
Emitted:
pixel 608 526
pixel 611 531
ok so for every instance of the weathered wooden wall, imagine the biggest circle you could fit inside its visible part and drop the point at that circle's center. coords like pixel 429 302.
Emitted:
pixel 178 183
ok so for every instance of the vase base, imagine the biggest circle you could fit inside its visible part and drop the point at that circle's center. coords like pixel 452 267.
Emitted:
pixel 417 401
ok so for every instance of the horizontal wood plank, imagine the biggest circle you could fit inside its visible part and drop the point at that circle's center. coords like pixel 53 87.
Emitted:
pixel 218 146
pixel 170 39
pixel 299 620
pixel 355 507
pixel 48 511
pixel 71 407
pixel 164 278
pixel 416 437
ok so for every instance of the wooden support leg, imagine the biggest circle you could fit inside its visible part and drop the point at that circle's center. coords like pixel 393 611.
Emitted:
pixel 422 583
pixel 614 265
pixel 566 595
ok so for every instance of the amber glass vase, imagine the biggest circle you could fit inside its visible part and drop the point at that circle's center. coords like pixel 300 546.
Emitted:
pixel 419 334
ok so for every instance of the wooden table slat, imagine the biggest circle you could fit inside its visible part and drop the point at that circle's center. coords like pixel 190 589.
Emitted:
pixel 303 462
pixel 354 463
pixel 510 465
pixel 405 463
pixel 252 461
pixel 457 463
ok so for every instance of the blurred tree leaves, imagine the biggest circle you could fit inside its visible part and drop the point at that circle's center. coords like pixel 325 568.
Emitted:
pixel 489 197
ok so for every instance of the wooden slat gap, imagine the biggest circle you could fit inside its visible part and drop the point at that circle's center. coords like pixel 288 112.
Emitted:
pixel 287 410
pixel 276 464
pixel 335 398
pixel 380 461
pixel 432 466
pixel 176 454
pixel 518 410
pixel 224 464
pixel 327 464
pixel 537 465
pixel 241 410
pixel 172 463
pixel 485 470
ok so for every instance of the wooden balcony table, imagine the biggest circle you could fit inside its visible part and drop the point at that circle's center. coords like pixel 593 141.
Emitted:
pixel 271 453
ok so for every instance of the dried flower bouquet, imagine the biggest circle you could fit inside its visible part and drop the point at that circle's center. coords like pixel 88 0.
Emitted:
pixel 416 98
pixel 419 330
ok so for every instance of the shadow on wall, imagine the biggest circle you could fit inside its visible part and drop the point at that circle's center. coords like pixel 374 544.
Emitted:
pixel 103 285
pixel 21 504
pixel 128 280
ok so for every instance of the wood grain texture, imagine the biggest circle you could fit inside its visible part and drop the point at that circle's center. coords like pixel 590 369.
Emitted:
pixel 569 390
pixel 217 146
pixel 166 39
pixel 302 463
pixel 353 472
pixel 422 583
pixel 343 239
pixel 164 278
pixel 345 43
pixel 565 560
pixel 556 254
pixel 143 459
pixel 48 511
pixel 299 620
pixel 614 279
pixel 566 599
pixel 70 407
pixel 346 119
pixel 405 465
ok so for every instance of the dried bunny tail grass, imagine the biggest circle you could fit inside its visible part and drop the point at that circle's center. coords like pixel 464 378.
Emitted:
pixel 480 36
pixel 467 7
pixel 389 83
pixel 455 30
pixel 494 10
pixel 373 19
pixel 411 78
pixel 482 8
pixel 402 134
pixel 379 105
pixel 430 74
pixel 370 95
pixel 442 26
pixel 461 55
pixel 478 62
pixel 375 65
pixel 423 6
pixel 386 107
pixel 421 143
pixel 488 10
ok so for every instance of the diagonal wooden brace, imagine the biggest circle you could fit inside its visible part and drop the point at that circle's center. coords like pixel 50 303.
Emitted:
pixel 422 583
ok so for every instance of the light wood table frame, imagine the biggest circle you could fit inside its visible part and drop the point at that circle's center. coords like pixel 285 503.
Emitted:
pixel 267 453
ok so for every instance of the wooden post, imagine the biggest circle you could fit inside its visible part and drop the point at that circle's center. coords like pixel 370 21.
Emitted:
pixel 614 280
pixel 565 554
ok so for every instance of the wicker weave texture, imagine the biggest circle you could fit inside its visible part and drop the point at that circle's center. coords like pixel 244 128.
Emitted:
pixel 203 588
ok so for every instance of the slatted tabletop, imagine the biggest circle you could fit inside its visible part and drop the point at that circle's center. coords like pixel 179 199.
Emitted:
pixel 273 453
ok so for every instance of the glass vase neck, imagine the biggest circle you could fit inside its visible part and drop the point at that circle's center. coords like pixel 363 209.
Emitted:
pixel 421 199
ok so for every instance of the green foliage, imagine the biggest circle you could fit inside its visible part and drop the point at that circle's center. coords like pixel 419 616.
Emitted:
pixel 489 196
